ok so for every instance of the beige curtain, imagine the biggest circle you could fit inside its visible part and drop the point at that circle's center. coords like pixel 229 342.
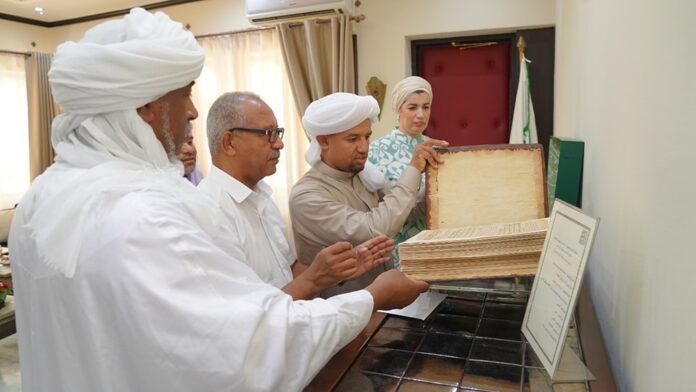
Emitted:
pixel 252 61
pixel 42 109
pixel 319 58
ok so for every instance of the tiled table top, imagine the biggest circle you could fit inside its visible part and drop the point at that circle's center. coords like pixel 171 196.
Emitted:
pixel 472 342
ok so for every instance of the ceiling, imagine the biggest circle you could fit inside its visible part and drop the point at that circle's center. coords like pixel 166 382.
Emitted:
pixel 62 12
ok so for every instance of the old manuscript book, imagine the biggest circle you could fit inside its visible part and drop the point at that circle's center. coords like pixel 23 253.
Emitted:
pixel 497 250
pixel 485 211
pixel 479 185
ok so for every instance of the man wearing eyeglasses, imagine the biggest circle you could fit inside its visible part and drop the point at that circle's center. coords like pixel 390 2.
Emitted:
pixel 245 143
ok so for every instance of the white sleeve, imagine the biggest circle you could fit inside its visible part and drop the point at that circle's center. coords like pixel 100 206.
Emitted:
pixel 198 317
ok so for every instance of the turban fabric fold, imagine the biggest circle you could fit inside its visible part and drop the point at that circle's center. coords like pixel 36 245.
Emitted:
pixel 334 114
pixel 124 64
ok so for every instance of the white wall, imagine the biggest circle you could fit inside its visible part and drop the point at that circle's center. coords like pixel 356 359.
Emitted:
pixel 384 36
pixel 625 85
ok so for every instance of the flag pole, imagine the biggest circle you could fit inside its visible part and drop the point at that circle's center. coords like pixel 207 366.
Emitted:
pixel 521 46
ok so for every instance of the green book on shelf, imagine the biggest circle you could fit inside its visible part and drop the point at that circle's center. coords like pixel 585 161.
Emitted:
pixel 564 170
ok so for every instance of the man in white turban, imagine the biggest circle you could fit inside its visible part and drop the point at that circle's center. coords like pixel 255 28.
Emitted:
pixel 340 198
pixel 124 278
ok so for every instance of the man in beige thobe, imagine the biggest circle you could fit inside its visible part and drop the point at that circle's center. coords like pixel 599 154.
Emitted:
pixel 343 197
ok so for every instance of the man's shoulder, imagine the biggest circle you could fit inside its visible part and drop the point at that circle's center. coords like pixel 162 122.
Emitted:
pixel 209 187
pixel 311 179
pixel 212 181
pixel 148 205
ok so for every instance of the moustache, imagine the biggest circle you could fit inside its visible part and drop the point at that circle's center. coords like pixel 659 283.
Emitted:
pixel 274 155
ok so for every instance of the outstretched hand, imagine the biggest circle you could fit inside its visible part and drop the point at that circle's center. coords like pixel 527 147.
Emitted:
pixel 425 154
pixel 332 265
pixel 340 261
pixel 394 290
pixel 372 253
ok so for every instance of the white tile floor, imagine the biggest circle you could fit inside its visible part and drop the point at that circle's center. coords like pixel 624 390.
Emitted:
pixel 10 380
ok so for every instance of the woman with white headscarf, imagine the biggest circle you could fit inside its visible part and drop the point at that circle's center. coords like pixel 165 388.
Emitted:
pixel 411 101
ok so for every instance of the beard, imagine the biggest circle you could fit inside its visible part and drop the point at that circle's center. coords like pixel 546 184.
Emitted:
pixel 170 146
pixel 169 143
pixel 355 168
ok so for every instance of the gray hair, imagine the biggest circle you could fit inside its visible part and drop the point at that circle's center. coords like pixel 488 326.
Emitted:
pixel 227 113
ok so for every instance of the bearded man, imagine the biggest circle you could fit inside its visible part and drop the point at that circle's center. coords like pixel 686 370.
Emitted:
pixel 343 197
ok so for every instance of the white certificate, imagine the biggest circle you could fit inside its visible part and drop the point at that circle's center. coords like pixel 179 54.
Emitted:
pixel 557 282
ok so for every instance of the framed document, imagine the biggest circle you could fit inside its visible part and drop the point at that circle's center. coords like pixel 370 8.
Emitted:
pixel 556 286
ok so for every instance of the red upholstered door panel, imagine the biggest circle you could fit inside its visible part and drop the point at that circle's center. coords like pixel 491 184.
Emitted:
pixel 471 90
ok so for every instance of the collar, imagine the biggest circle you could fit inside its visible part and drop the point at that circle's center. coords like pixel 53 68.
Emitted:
pixel 236 189
pixel 333 173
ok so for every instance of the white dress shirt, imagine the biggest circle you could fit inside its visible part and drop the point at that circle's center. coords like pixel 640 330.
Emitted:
pixel 257 222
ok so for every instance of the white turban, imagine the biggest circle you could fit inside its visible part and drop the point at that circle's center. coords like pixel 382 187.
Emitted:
pixel 104 149
pixel 407 87
pixel 334 114
pixel 124 64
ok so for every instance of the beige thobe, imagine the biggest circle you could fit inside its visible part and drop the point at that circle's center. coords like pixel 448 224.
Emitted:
pixel 329 205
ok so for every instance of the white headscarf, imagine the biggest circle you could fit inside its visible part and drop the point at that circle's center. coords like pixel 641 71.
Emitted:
pixel 334 114
pixel 407 87
pixel 104 149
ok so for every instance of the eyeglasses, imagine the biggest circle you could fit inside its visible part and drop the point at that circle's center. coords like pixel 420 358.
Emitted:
pixel 273 134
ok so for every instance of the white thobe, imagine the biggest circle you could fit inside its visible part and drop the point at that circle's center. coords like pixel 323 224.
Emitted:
pixel 156 304
pixel 257 224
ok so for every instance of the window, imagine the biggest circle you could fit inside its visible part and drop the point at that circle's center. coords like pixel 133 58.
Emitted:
pixel 14 143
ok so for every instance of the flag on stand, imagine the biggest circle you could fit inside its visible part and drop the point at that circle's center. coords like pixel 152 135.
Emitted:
pixel 523 129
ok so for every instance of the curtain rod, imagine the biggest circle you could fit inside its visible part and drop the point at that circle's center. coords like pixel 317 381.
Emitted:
pixel 251 30
pixel 357 19
pixel 15 52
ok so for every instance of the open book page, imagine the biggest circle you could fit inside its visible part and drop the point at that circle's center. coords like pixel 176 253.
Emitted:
pixel 484 231
pixel 482 185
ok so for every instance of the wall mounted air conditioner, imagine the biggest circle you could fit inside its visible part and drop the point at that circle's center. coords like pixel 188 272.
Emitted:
pixel 264 12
